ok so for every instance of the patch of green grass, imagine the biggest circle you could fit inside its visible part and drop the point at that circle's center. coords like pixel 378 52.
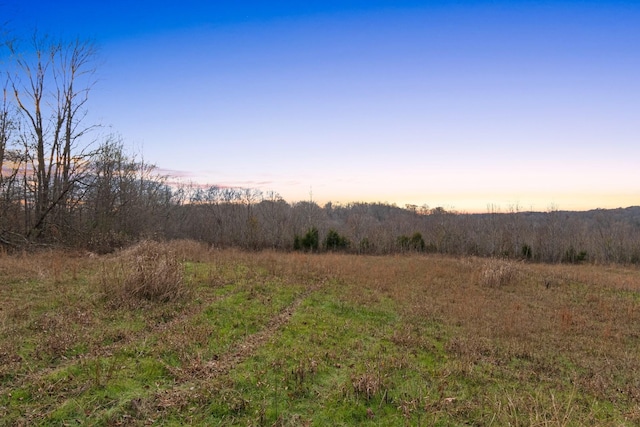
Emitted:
pixel 244 313
pixel 334 364
pixel 92 389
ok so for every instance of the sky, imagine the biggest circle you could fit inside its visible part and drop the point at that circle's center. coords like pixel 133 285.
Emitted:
pixel 466 105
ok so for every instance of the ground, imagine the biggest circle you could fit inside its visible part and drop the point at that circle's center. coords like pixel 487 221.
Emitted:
pixel 317 339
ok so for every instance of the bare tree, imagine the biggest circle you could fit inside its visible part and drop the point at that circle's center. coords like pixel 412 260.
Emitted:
pixel 7 177
pixel 249 197
pixel 51 88
pixel 272 213
pixel 5 129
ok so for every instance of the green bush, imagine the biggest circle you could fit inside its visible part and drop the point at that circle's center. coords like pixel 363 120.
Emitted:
pixel 574 257
pixel 334 241
pixel 366 246
pixel 526 251
pixel 309 242
pixel 414 243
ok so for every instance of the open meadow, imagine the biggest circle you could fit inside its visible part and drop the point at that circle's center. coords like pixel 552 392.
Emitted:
pixel 178 334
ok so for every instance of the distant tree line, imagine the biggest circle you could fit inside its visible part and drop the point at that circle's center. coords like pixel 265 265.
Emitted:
pixel 64 184
pixel 380 228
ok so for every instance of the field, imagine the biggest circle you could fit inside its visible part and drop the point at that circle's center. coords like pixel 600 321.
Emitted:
pixel 294 339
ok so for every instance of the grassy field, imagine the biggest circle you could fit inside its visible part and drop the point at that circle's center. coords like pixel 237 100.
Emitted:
pixel 295 339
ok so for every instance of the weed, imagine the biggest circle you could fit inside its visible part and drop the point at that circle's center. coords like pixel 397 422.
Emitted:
pixel 366 385
pixel 497 273
pixel 148 271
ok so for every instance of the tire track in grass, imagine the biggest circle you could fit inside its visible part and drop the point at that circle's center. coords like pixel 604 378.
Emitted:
pixel 196 375
pixel 221 366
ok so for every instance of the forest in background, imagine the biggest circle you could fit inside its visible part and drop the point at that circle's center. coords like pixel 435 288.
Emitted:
pixel 65 183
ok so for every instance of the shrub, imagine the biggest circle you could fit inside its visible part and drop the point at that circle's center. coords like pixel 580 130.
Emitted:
pixel 496 273
pixel 147 271
pixel 573 256
pixel 582 256
pixel 403 242
pixel 526 251
pixel 334 241
pixel 413 243
pixel 417 242
pixel 309 242
pixel 366 246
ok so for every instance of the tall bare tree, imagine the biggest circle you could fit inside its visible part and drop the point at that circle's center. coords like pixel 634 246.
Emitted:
pixel 6 177
pixel 51 86
pixel 5 129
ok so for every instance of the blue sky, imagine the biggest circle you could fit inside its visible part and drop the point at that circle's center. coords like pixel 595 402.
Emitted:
pixel 461 104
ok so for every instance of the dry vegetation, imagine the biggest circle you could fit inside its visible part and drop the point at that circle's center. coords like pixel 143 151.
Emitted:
pixel 174 334
pixel 147 271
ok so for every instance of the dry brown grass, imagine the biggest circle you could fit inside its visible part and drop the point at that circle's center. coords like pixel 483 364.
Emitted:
pixel 148 271
pixel 189 250
pixel 584 326
pixel 498 272
pixel 54 266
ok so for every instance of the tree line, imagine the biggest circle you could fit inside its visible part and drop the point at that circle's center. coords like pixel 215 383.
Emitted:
pixel 64 183
pixel 555 236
